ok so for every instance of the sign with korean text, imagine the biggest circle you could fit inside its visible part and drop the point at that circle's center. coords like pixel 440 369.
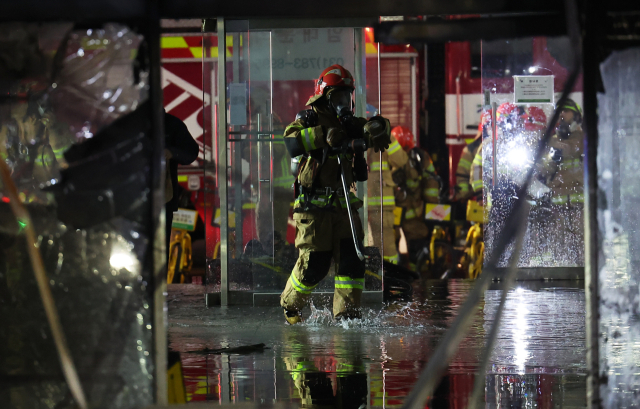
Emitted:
pixel 533 89
pixel 185 219
pixel 300 54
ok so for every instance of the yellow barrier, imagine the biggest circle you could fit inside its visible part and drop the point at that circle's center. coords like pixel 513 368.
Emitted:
pixel 475 212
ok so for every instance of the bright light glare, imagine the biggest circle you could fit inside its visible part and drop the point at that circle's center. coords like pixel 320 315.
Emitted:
pixel 519 156
pixel 120 259
pixel 532 70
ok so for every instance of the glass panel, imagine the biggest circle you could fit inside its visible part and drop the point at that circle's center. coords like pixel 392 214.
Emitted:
pixel 618 215
pixel 75 135
pixel 185 98
pixel 270 76
pixel 378 236
pixel 208 202
pixel 554 236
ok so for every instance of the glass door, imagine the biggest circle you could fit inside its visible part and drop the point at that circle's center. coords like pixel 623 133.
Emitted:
pixel 525 78
pixel 269 76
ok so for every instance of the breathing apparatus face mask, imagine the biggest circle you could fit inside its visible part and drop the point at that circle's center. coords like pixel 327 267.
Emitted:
pixel 564 129
pixel 340 101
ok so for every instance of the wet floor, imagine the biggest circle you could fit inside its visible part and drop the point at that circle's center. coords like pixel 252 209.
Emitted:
pixel 538 360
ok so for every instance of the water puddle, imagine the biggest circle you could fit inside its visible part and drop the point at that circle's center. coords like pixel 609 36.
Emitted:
pixel 538 360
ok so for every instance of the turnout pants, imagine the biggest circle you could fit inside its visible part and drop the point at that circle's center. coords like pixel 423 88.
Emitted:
pixel 323 236
pixel 390 251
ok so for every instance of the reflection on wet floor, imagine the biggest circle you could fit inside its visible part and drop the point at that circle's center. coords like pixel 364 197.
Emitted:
pixel 538 360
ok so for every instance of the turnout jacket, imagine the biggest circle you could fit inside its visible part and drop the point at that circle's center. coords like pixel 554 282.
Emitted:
pixel 309 140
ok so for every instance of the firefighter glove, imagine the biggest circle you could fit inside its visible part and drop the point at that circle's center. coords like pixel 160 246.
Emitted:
pixel 377 131
pixel 335 137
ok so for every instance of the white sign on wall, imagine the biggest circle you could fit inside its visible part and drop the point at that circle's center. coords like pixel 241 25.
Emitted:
pixel 533 89
pixel 193 182
pixel 185 219
pixel 299 54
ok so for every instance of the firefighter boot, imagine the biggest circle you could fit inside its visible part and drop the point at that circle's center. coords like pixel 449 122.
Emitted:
pixel 292 317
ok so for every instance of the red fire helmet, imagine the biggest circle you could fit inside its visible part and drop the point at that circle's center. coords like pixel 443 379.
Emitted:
pixel 534 119
pixel 506 112
pixel 485 120
pixel 404 136
pixel 333 76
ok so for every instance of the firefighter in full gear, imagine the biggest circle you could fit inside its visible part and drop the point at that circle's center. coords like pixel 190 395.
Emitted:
pixel 563 173
pixel 393 158
pixel 323 226
pixel 463 190
pixel 416 184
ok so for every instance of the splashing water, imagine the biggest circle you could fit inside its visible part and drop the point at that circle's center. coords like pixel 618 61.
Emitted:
pixel 395 315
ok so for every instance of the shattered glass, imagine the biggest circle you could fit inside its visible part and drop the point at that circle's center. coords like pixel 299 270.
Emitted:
pixel 618 211
pixel 75 135
pixel 554 234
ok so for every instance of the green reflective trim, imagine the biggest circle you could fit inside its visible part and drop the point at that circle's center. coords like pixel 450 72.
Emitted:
pixel 301 288
pixel 393 148
pixel 412 183
pixel 352 199
pixel 410 214
pixel 463 188
pixel 431 168
pixel 347 278
pixel 432 191
pixel 376 165
pixel 308 139
pixel 464 164
pixel 565 199
pixel 295 126
pixel 284 181
pixel 392 259
pixel 477 160
pixel 477 184
pixel 348 282
pixel 386 201
pixel 319 200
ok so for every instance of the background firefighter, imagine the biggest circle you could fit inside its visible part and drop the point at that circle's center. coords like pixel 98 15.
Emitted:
pixel 323 230
pixel 562 171
pixel 463 188
pixel 416 184
pixel 393 158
